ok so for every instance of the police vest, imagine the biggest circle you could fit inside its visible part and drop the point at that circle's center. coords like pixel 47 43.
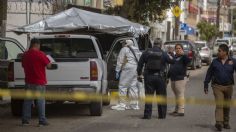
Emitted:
pixel 154 60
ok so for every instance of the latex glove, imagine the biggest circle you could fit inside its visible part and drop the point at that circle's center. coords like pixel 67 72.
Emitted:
pixel 117 75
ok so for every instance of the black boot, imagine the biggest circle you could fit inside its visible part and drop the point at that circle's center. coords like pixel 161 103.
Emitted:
pixel 146 117
pixel 227 126
pixel 218 127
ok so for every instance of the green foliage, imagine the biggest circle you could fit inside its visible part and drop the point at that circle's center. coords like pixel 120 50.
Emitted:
pixel 142 11
pixel 207 30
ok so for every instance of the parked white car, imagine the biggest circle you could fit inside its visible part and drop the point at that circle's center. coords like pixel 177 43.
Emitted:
pixel 205 51
pixel 227 41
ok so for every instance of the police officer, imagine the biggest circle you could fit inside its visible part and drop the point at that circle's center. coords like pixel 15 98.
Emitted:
pixel 155 60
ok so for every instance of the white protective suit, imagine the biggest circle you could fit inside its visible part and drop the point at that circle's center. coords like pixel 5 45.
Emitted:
pixel 127 64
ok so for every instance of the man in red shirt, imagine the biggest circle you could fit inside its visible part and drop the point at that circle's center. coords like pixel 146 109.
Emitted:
pixel 34 63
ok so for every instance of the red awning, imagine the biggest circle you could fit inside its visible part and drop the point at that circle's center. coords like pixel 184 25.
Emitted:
pixel 192 9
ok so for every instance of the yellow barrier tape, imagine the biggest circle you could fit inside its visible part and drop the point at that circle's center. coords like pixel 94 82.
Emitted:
pixel 82 96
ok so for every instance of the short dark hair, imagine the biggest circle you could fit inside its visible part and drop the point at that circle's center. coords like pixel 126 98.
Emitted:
pixel 34 42
pixel 179 45
pixel 224 47
pixel 157 41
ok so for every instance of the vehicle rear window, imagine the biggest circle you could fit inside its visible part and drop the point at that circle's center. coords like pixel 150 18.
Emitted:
pixel 219 43
pixel 234 44
pixel 68 48
pixel 172 44
pixel 200 45
pixel 223 42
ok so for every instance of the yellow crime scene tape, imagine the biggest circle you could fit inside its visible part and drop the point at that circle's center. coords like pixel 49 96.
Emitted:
pixel 82 96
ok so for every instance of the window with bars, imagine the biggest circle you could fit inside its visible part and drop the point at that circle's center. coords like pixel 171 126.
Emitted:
pixel 88 2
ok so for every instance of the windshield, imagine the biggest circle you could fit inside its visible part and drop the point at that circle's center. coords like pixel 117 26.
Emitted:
pixel 172 44
pixel 223 42
pixel 219 43
pixel 200 45
pixel 68 47
pixel 234 44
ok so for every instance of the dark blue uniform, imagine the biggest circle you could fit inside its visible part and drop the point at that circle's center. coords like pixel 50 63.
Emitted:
pixel 221 74
pixel 179 68
pixel 154 81
pixel 222 79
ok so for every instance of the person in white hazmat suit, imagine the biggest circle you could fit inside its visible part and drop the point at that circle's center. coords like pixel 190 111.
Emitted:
pixel 126 72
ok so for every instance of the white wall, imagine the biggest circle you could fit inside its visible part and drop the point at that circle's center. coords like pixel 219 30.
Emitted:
pixel 16 18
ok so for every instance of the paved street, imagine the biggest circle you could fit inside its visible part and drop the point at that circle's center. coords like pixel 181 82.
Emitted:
pixel 70 118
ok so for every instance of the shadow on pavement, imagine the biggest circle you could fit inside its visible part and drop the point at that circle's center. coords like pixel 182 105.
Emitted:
pixel 207 126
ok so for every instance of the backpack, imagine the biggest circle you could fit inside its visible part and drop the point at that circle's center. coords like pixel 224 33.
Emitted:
pixel 154 61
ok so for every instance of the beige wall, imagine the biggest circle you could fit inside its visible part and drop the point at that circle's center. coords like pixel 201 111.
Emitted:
pixel 79 2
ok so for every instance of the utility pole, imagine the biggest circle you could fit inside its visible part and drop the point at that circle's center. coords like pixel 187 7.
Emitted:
pixel 3 17
pixel 176 30
pixel 28 5
pixel 232 21
pixel 218 15
pixel 3 20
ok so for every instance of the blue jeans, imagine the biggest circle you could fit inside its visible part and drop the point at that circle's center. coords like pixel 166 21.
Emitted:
pixel 26 112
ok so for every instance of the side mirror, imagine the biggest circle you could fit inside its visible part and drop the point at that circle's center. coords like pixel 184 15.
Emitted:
pixel 53 67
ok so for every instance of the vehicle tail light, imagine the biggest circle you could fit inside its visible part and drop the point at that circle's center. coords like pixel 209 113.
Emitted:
pixel 10 72
pixel 190 54
pixel 93 71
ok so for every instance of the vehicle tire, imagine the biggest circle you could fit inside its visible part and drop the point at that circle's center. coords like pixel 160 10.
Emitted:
pixel 193 65
pixel 208 62
pixel 16 107
pixel 96 108
pixel 106 99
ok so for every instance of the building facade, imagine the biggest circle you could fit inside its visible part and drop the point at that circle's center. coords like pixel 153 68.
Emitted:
pixel 91 3
pixel 209 14
pixel 24 12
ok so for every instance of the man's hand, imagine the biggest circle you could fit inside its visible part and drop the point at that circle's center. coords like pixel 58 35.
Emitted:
pixel 206 90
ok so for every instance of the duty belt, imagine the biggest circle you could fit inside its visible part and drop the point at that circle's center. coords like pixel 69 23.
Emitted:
pixel 157 73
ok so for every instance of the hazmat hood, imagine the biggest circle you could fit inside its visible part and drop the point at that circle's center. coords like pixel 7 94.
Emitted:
pixel 77 19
